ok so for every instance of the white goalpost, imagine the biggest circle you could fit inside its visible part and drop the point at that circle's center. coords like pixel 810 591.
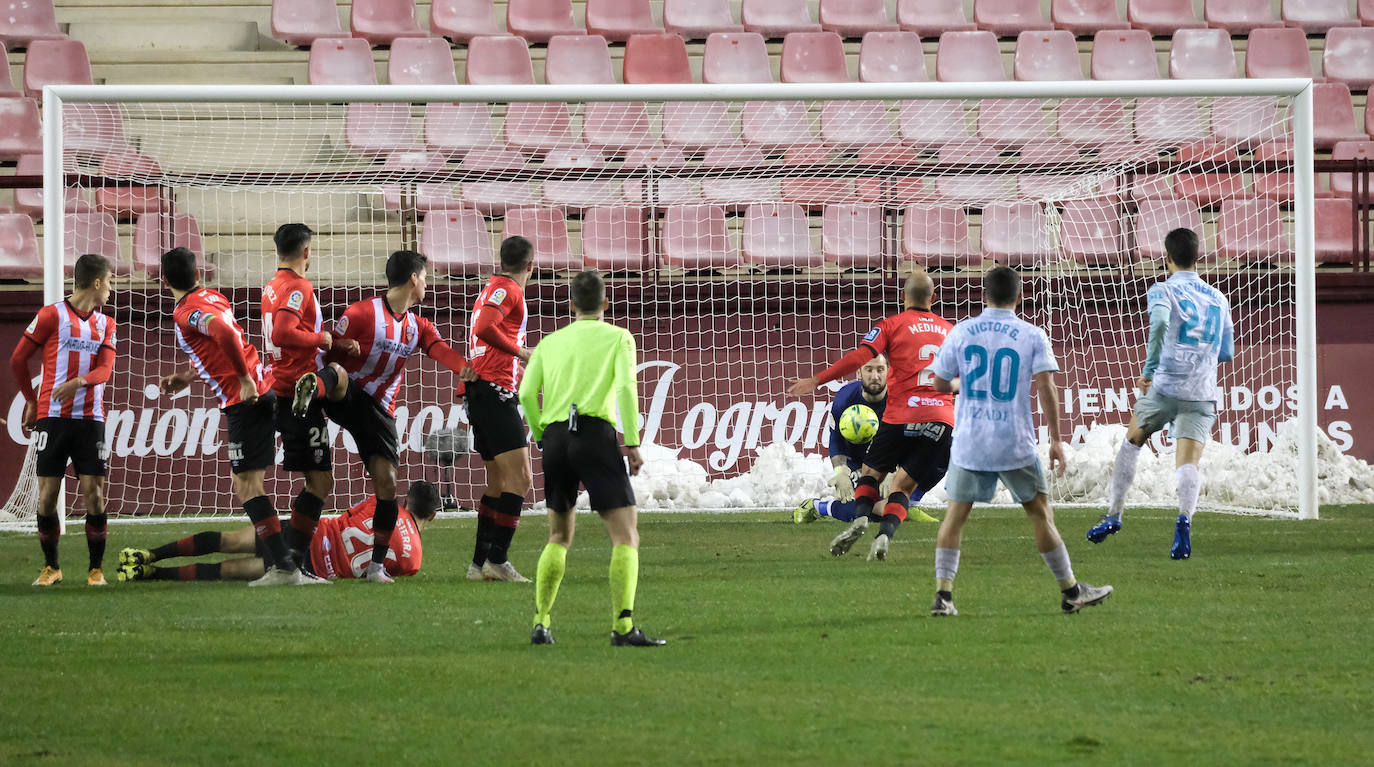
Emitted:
pixel 750 234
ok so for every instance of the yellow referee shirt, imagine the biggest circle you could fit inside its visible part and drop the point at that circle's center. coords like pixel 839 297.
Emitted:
pixel 590 363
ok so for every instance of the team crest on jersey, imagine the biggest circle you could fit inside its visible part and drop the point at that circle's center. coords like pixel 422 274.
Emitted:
pixel 871 335
pixel 342 325
pixel 295 300
pixel 410 334
pixel 498 296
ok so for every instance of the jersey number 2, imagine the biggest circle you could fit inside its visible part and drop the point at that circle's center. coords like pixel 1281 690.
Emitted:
pixel 926 377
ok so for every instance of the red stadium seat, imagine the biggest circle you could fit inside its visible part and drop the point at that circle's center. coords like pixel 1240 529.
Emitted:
pixel 1049 185
pixel 971 187
pixel 695 237
pixel 813 57
pixel 1246 120
pixel 656 58
pixel 614 239
pixel 1251 231
pixel 775 125
pixel 1156 218
pixel 375 130
pixel 1317 17
pixel 1009 18
pixel 813 192
pixel 462 20
pixel 1049 55
pixel 1092 122
pixel 1208 188
pixel 776 18
pixel 1162 17
pixel 1086 17
pixel 7 88
pixel 20 132
pixel 1014 234
pixel 499 60
pixel 92 129
pixel 457 242
pixel 616 20
pixel 932 18
pixel 341 61
pixel 777 236
pixel 538 20
pixel 454 129
pixel 855 18
pixel 530 126
pixel 576 194
pixel 1124 55
pixel 889 187
pixel 697 19
pixel 547 231
pixel 301 22
pixel 1365 11
pixel 891 57
pixel 97 233
pixel 585 59
pixel 155 234
pixel 380 22
pixel 24 22
pixel 932 123
pixel 1335 235
pixel 856 123
pixel 667 191
pixel 1090 232
pixel 1333 115
pixel 426 196
pixel 1348 150
pixel 695 125
pixel 19 257
pixel 30 201
pixel 1277 53
pixel 969 57
pixel 578 60
pixel 936 236
pixel 729 190
pixel 852 236
pixel 494 197
pixel 1275 186
pixel 1239 17
pixel 1202 54
pixel 55 62
pixel 1349 56
pixel 127 200
pixel 1168 121
pixel 421 61
pixel 735 57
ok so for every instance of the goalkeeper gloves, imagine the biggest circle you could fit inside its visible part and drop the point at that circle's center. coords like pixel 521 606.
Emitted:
pixel 843 484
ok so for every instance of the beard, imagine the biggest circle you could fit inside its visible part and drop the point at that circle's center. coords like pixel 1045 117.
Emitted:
pixel 875 390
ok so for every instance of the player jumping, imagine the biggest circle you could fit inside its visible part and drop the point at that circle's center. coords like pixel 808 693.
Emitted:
pixel 341 546
pixel 915 432
pixel 207 331
pixel 1190 333
pixel 67 413
pixel 496 346
pixel 996 357
pixel 360 389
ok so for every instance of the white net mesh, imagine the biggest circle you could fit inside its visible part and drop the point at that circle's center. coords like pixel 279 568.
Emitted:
pixel 747 243
pixel 22 506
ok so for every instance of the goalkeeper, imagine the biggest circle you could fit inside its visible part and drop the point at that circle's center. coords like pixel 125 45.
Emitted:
pixel 848 457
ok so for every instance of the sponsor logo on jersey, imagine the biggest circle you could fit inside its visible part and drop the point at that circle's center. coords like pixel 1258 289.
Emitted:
pixel 85 345
pixel 497 296
pixel 32 326
pixel 341 326
pixel 871 335
pixel 295 300
pixel 388 346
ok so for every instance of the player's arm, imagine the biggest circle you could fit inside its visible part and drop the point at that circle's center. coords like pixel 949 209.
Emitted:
pixel 347 331
pixel 1159 329
pixel 945 368
pixel 530 385
pixel 289 332
pixel 844 367
pixel 627 399
pixel 1048 393
pixel 437 349
pixel 35 335
pixel 1227 352
pixel 487 327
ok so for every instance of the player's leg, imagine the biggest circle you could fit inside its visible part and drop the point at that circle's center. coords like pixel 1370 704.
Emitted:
pixel 516 479
pixel 1028 487
pixel 251 492
pixel 1192 427
pixel 501 432
pixel 486 515
pixel 560 492
pixel 305 450
pixel 894 513
pixel 382 470
pixel 49 529
pixel 92 487
pixel 138 564
pixel 964 488
pixel 865 496
pixel 623 528
pixel 329 382
pixel 1149 417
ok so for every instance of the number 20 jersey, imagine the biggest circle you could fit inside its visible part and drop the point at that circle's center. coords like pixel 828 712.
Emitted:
pixel 1199 329
pixel 911 340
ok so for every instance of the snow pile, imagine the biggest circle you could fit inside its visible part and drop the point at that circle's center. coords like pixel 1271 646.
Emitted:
pixel 780 478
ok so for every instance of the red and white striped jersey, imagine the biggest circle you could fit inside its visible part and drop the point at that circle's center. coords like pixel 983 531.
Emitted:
pixel 386 340
pixel 194 316
pixel 492 365
pixel 71 342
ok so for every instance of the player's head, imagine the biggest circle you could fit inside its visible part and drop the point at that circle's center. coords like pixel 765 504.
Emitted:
pixel 92 272
pixel 1002 288
pixel 1181 245
pixel 406 267
pixel 873 376
pixel 589 293
pixel 919 290
pixel 293 244
pixel 423 501
pixel 517 255
pixel 179 269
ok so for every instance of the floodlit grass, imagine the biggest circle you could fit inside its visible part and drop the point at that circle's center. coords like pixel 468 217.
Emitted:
pixel 1254 652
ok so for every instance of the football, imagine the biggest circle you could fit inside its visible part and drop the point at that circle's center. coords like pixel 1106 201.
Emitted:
pixel 858 424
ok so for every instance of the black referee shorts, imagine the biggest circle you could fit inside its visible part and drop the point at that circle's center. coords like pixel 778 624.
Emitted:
pixel 80 440
pixel 495 419
pixel 252 434
pixel 589 457
pixel 372 428
pixel 921 449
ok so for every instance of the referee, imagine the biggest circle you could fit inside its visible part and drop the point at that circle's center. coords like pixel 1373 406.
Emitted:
pixel 585 371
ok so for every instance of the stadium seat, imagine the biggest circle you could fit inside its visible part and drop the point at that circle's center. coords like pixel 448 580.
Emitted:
pixel 929 124
pixel 127 200
pixel 1246 120
pixel 421 61
pixel 855 123
pixel 341 61
pixel 1092 122
pixel 455 128
pixel 614 126
pixel 1014 234
pixel 695 237
pixel 698 19
pixel 1251 231
pixel 813 57
pixel 19 257
pixel 776 18
pixel 891 57
pixel 1365 12
pixel 1317 17
pixel 775 125
pixel 426 196
pixel 734 192
pixel 462 20
pixel 578 60
pixel 29 201
pixel 97 233
pixel 1124 55
pixel 813 192
pixel 24 22
pixel 1333 115
pixel 936 236
pixel 1156 218
pixel 1048 185
pixel 1086 17
pixel 457 242
pixel 56 62
pixel 1239 17
pixel 1009 18
pixel 614 239
pixel 932 18
pixel 1277 53
pixel 1335 234
pixel 301 22
pixel 547 231
pixel 1349 56
pixel 499 60
pixel 380 22
pixel 896 184
pixel 1341 184
pixel 1202 54
pixel 616 20
pixel 1090 232
pixel 852 236
pixel 529 126
pixel 1049 55
pixel 92 130
pixel 667 191
pixel 155 234
pixel 1162 17
pixel 1168 121
pixel 1275 186
pixel 7 87
pixel 735 57
pixel 777 236
pixel 973 188
pixel 1208 188
pixel 375 130
pixel 576 194
pixel 855 18
pixel 656 58
pixel 969 57
pixel 695 125
pixel 20 132
pixel 538 20
pixel 493 197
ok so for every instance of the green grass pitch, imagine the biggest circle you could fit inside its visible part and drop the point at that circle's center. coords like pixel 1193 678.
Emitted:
pixel 1254 652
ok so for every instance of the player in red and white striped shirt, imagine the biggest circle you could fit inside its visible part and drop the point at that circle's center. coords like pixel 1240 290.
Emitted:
pixel 67 413
pixel 360 390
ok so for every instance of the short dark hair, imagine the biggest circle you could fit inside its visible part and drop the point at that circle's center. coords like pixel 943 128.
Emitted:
pixel 422 500
pixel 589 291
pixel 1181 245
pixel 89 268
pixel 401 265
pixel 291 239
pixel 1002 285
pixel 516 254
pixel 179 268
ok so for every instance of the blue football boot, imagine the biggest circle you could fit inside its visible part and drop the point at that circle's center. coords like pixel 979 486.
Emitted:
pixel 1183 539
pixel 1106 526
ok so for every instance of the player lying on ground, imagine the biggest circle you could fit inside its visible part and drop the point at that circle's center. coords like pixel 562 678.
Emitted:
pixel 847 457
pixel 992 360
pixel 586 373
pixel 914 435
pixel 1190 333
pixel 360 389
pixel 341 546
pixel 220 354
pixel 67 413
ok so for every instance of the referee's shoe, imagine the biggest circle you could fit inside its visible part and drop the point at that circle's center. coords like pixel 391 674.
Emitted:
pixel 633 638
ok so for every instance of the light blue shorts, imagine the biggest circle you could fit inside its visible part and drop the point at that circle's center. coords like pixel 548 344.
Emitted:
pixel 969 486
pixel 1192 419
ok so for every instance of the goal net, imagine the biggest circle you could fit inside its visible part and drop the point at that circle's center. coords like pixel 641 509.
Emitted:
pixel 750 235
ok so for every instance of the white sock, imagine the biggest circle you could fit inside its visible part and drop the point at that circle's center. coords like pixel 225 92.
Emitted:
pixel 1057 559
pixel 1123 474
pixel 1189 485
pixel 946 564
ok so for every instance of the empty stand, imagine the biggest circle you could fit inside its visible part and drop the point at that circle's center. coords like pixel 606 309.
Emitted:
pixel 499 60
pixel 457 242
pixel 1208 188
pixel 1317 16
pixel 376 130
pixel 775 125
pixel 24 21
pixel 1202 54
pixel 730 191
pixel 852 236
pixel 1162 17
pixel 1090 232
pixel 127 200
pixel 95 233
pixel 1013 234
pixel 1348 150
pixel 1335 238
pixel 1168 121
pixel 30 201
pixel 696 19
pixel 736 57
pixel 425 196
pixel 1349 56
pixel 455 128
pixel 538 20
pixel 301 22
pixel 91 129
pixel 776 18
pixel 1239 17
pixel 855 123
pixel 1124 55
pixel 970 188
pixel 421 61
pixel 1246 120
pixel 616 20
pixel 1154 220
pixel 579 193
pixel 1278 52
pixel 493 197
pixel 586 59
pixel 462 20
pixel 613 239
pixel 969 57
pixel 1275 186
pixel 1333 115
pixel 19 258
pixel 813 57
pixel 381 21
pixel 7 88
pixel 695 237
pixel 932 18
pixel 578 59
pixel 20 132
pixel 891 57
pixel 666 191
pixel 777 236
pixel 341 61
pixel 1048 185
pixel 855 18
pixel 656 58
pixel 530 126
pixel 1086 17
pixel 1008 18
pixel 936 236
pixel 1047 55
pixel 1251 231
pixel 547 231
pixel 694 125
pixel 55 62
pixel 155 234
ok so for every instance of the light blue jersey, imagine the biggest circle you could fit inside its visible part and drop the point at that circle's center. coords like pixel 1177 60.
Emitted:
pixel 1190 332
pixel 995 354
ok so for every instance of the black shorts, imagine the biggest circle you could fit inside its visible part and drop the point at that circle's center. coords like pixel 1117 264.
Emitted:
pixel 494 416
pixel 590 457
pixel 921 449
pixel 252 434
pixel 81 440
pixel 304 441
pixel 372 428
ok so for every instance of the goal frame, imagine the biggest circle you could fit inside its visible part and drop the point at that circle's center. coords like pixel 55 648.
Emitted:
pixel 1299 89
